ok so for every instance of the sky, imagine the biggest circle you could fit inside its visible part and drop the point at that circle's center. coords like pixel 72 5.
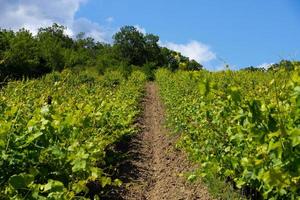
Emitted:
pixel 239 33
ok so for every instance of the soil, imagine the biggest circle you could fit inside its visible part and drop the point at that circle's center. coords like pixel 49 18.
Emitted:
pixel 154 168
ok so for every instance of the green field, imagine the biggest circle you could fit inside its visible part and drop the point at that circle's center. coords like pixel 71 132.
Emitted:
pixel 243 126
pixel 54 132
pixel 82 119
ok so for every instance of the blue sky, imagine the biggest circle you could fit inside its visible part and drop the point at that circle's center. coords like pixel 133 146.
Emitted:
pixel 238 32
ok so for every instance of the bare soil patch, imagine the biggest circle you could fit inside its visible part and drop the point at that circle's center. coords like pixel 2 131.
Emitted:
pixel 152 167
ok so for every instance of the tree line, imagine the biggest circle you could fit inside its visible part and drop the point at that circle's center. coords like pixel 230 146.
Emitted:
pixel 23 54
pixel 283 64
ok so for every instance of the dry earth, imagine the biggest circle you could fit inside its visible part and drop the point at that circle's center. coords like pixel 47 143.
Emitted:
pixel 153 168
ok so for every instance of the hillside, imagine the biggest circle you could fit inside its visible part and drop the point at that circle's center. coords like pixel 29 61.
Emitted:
pixel 81 119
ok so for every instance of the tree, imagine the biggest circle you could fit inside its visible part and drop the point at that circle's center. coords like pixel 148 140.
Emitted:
pixel 5 38
pixel 22 54
pixel 86 49
pixel 168 59
pixel 131 45
pixel 152 48
pixel 283 64
pixel 253 69
pixel 52 44
pixel 56 32
pixel 22 57
pixel 194 65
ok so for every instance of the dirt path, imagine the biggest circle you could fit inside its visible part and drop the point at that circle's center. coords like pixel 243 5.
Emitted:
pixel 154 165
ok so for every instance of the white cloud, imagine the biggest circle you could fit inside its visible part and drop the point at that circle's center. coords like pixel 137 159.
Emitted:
pixel 265 65
pixel 194 50
pixel 140 29
pixel 33 14
pixel 90 29
pixel 110 20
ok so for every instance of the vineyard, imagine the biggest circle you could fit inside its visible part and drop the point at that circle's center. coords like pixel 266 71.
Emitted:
pixel 243 126
pixel 55 131
pixel 149 100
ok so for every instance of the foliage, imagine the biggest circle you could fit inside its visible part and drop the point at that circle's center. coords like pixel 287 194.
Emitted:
pixel 25 55
pixel 131 45
pixel 254 69
pixel 21 55
pixel 149 70
pixel 243 126
pixel 143 50
pixel 284 64
pixel 54 132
